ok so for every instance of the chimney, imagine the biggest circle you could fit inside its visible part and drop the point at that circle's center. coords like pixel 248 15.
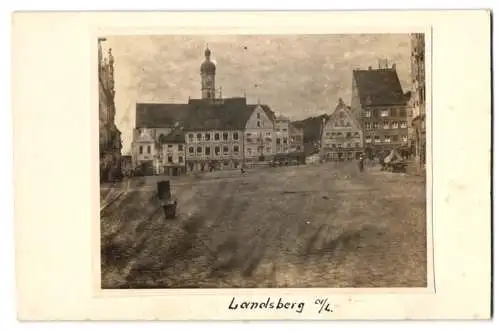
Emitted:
pixel 383 63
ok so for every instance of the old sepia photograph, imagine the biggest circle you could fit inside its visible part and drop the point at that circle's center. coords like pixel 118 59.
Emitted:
pixel 262 161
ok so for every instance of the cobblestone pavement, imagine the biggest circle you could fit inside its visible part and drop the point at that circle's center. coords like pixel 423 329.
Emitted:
pixel 307 226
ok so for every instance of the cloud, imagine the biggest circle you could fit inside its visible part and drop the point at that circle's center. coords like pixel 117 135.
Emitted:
pixel 299 76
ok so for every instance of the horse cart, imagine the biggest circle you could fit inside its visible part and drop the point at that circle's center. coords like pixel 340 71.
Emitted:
pixel 394 162
pixel 167 200
pixel 397 166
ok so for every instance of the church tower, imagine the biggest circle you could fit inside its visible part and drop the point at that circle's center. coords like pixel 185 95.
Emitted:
pixel 207 72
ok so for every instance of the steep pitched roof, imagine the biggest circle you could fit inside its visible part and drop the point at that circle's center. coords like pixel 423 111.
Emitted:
pixel 198 114
pixel 379 87
pixel 229 114
pixel 347 110
pixel 295 129
pixel 159 115
pixel 267 110
pixel 176 136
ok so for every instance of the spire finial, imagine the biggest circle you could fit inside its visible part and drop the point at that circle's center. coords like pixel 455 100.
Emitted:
pixel 207 51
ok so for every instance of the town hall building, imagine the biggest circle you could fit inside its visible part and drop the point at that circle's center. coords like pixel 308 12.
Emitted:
pixel 210 133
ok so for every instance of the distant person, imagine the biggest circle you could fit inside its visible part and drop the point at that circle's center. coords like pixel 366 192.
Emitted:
pixel 242 170
pixel 382 162
pixel 361 163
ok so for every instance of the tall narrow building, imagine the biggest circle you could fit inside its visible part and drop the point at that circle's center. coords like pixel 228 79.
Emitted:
pixel 381 107
pixel 109 136
pixel 207 72
pixel 417 103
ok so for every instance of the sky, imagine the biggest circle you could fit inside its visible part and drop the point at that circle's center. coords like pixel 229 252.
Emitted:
pixel 296 75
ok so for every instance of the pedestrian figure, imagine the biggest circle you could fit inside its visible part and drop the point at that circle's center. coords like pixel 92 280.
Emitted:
pixel 242 170
pixel 361 164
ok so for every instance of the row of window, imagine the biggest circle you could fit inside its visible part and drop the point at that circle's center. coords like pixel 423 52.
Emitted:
pixel 401 112
pixel 386 125
pixel 217 150
pixel 225 150
pixel 259 140
pixel 180 159
pixel 257 134
pixel 343 123
pixel 341 134
pixel 258 151
pixel 387 139
pixel 348 145
pixel 285 141
pixel 208 136
pixel 141 150
pixel 180 147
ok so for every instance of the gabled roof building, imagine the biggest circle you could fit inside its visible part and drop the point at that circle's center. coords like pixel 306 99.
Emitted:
pixel 342 135
pixel 212 126
pixel 381 107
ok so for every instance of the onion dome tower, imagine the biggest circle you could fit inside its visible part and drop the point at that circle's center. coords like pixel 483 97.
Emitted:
pixel 207 72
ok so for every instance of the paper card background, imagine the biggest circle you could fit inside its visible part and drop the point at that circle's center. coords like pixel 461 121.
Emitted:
pixel 56 185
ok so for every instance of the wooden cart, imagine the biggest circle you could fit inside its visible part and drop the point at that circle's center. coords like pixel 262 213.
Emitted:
pixel 397 166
